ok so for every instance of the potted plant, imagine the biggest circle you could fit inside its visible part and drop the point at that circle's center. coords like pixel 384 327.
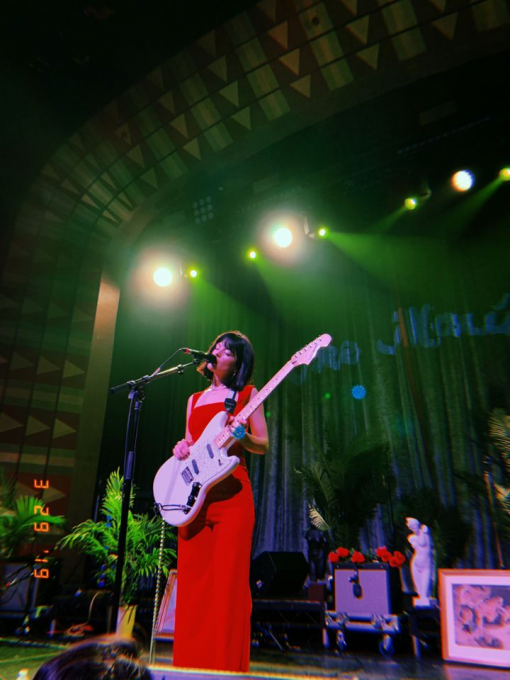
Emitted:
pixel 99 541
pixel 344 489
pixel 499 433
pixel 17 518
pixel 18 515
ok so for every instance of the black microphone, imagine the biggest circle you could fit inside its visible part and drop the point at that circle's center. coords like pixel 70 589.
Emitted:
pixel 199 355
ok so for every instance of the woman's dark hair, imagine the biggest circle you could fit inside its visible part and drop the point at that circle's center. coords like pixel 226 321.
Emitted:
pixel 241 348
pixel 99 659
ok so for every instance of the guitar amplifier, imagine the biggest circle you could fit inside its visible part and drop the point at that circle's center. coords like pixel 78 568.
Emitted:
pixel 367 592
pixel 278 574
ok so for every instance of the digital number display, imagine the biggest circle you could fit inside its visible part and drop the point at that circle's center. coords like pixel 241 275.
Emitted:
pixel 41 527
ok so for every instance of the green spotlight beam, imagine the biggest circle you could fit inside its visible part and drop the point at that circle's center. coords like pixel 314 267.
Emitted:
pixel 462 214
pixel 217 307
pixel 303 297
pixel 395 258
pixel 389 221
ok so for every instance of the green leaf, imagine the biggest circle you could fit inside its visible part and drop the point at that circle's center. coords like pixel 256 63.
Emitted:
pixel 318 520
pixel 99 540
pixel 17 523
pixel 499 431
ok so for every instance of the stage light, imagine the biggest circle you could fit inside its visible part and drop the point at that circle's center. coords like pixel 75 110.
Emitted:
pixel 282 236
pixel 358 392
pixel 322 233
pixel 411 203
pixel 504 174
pixel 162 277
pixel 192 273
pixel 252 254
pixel 462 180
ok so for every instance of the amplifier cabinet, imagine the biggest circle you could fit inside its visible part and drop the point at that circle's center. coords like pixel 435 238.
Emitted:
pixel 367 591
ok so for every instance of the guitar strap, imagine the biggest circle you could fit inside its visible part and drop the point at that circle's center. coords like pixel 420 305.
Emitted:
pixel 230 403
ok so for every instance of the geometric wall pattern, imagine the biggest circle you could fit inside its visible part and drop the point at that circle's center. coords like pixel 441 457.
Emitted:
pixel 268 70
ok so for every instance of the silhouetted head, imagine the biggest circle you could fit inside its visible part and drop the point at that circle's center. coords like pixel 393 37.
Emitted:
pixel 106 658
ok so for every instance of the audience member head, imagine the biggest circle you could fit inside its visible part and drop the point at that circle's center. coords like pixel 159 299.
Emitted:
pixel 105 658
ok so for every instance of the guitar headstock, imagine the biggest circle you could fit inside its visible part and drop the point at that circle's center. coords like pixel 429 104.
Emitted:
pixel 307 354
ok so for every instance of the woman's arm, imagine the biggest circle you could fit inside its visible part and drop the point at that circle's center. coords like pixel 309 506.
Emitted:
pixel 181 449
pixel 257 440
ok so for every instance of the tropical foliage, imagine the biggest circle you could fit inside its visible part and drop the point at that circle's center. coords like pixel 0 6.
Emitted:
pixel 99 541
pixel 344 488
pixel 17 518
pixel 499 433
pixel 494 449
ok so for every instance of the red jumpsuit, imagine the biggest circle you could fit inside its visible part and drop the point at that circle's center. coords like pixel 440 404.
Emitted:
pixel 213 609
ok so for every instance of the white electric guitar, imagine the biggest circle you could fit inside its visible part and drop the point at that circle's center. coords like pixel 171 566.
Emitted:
pixel 180 486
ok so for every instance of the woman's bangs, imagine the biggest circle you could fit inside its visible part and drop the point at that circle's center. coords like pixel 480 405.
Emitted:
pixel 232 343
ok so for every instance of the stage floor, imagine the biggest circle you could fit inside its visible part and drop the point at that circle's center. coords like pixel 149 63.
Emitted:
pixel 305 665
pixel 272 663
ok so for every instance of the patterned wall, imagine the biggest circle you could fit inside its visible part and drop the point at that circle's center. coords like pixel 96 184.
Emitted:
pixel 280 66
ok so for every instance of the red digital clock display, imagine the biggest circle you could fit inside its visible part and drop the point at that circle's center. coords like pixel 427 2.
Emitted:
pixel 41 527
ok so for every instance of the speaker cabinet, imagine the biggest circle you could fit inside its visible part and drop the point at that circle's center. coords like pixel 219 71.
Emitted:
pixel 365 592
pixel 278 574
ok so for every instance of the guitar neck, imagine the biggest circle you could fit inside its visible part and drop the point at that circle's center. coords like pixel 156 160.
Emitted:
pixel 222 438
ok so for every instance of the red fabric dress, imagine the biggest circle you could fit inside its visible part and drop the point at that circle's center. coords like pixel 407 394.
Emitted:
pixel 213 609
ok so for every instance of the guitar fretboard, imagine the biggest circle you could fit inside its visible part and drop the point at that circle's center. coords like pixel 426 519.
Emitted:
pixel 222 438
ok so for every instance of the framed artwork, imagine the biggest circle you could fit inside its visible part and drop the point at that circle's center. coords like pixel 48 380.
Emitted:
pixel 165 625
pixel 475 616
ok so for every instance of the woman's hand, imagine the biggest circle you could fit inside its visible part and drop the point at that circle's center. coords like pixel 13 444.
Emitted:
pixel 181 449
pixel 238 427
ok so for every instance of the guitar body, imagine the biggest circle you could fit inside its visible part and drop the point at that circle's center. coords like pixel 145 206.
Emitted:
pixel 180 486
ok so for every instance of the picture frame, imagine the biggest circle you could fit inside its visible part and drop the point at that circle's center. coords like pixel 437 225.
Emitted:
pixel 475 616
pixel 165 625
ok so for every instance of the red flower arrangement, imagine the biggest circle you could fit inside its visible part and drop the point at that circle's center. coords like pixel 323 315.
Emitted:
pixel 382 554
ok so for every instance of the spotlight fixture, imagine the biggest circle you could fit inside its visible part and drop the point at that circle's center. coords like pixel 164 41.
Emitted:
pixel 162 277
pixel 462 180
pixel 252 254
pixel 504 174
pixel 313 230
pixel 203 210
pixel 411 203
pixel 282 236
pixel 192 273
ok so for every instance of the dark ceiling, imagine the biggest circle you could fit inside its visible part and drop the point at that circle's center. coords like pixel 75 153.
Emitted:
pixel 61 61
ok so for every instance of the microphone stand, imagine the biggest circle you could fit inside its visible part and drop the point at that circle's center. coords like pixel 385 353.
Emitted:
pixel 136 396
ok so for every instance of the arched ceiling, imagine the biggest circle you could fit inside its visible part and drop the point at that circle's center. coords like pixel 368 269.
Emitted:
pixel 249 81
pixel 62 62
pixel 234 89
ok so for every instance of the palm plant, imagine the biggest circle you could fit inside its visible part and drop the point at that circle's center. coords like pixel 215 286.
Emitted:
pixel 99 540
pixel 499 434
pixel 344 489
pixel 493 445
pixel 17 518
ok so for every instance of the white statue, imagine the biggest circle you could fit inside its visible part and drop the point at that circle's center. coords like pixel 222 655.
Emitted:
pixel 421 562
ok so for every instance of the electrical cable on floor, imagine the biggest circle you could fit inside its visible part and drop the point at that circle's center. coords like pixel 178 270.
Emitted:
pixel 79 629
